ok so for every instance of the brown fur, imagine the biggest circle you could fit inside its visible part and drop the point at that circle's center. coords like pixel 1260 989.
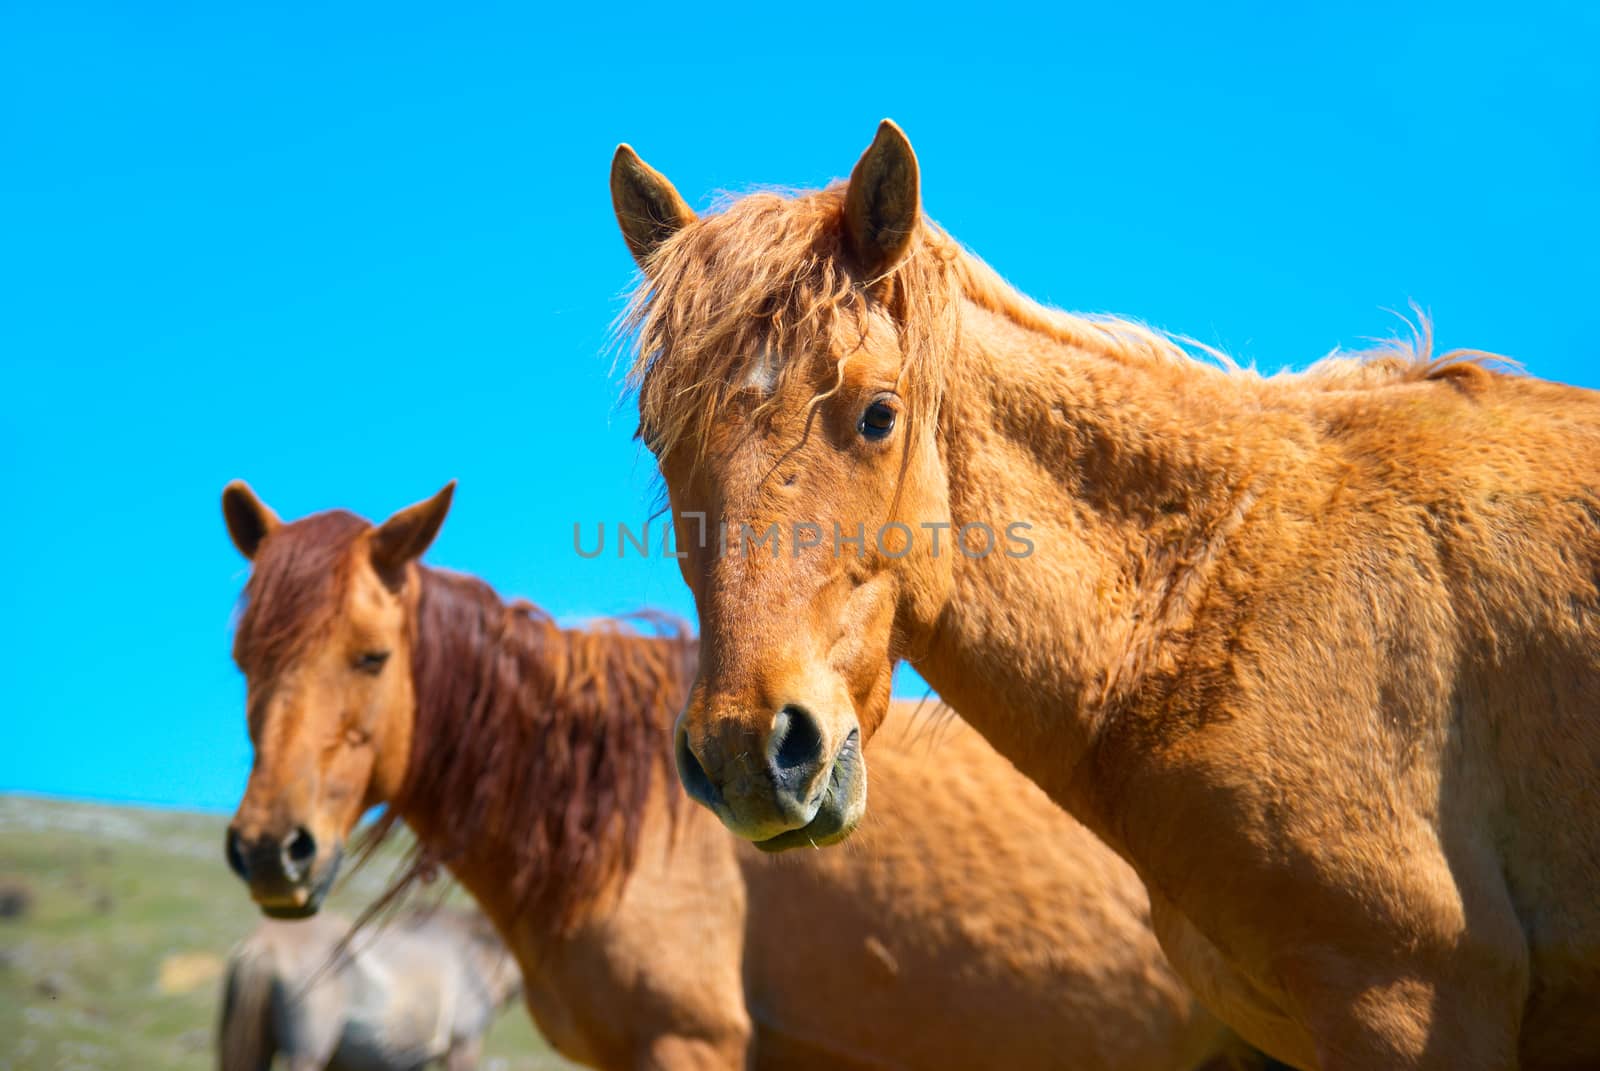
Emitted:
pixel 546 738
pixel 495 684
pixel 1318 653
pixel 1012 937
pixel 293 592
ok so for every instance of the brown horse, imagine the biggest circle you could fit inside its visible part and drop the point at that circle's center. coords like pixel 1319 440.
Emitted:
pixel 1319 653
pixel 423 991
pixel 977 926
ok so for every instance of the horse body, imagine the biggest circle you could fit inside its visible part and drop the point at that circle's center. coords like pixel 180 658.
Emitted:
pixel 1010 938
pixel 1318 654
pixel 953 958
pixel 1019 927
pixel 1372 694
pixel 652 980
pixel 424 990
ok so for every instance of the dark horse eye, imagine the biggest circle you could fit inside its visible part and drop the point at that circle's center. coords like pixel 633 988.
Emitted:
pixel 371 661
pixel 877 422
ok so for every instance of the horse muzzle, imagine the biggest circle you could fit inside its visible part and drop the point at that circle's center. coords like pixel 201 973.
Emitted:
pixel 790 794
pixel 843 802
pixel 288 876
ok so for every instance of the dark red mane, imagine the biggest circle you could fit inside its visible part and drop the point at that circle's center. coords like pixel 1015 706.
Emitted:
pixel 295 588
pixel 541 739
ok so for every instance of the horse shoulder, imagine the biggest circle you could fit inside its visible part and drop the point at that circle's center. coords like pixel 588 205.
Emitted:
pixel 1038 935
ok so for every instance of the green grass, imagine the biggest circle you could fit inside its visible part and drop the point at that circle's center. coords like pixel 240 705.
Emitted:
pixel 116 892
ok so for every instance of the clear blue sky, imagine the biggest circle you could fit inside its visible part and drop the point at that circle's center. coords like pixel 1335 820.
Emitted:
pixel 349 252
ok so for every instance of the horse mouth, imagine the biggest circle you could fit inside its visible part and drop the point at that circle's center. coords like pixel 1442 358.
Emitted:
pixel 283 913
pixel 830 826
pixel 842 805
pixel 316 893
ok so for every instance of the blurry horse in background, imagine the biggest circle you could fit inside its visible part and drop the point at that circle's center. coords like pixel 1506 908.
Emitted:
pixel 424 988
pixel 976 925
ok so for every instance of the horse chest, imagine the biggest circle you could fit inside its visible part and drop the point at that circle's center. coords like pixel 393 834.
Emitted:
pixel 558 1022
pixel 1254 1013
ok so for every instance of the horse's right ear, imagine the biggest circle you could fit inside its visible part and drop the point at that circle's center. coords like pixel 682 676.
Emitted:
pixel 248 518
pixel 648 208
pixel 882 202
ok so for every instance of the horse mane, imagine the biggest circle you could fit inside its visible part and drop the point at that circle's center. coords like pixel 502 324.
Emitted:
pixel 768 277
pixel 294 590
pixel 546 741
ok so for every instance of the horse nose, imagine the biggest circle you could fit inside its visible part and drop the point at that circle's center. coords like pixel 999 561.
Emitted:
pixel 233 847
pixel 766 790
pixel 296 853
pixel 692 772
pixel 795 762
pixel 268 860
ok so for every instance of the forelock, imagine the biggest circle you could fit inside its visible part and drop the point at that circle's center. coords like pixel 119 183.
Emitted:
pixel 297 584
pixel 762 292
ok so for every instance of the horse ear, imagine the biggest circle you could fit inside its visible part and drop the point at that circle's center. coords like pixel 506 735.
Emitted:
pixel 881 204
pixel 248 518
pixel 402 538
pixel 648 208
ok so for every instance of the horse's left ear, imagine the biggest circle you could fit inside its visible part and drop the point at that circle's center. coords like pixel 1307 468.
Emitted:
pixel 248 519
pixel 649 208
pixel 881 204
pixel 402 538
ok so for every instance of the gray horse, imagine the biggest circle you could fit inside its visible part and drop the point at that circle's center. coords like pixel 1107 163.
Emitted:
pixel 420 988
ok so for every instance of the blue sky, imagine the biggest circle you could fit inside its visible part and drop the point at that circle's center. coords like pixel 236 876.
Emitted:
pixel 350 254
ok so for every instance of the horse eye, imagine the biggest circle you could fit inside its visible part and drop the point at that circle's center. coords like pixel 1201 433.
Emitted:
pixel 877 422
pixel 371 662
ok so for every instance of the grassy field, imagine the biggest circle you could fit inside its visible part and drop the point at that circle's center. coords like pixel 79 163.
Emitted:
pixel 117 922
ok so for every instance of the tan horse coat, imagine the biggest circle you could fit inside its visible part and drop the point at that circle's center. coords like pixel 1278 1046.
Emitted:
pixel 975 925
pixel 1319 654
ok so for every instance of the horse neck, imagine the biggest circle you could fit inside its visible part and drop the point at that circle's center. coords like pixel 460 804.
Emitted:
pixel 1132 467
pixel 484 861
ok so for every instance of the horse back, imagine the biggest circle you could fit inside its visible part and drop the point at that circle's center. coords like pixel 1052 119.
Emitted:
pixel 1394 681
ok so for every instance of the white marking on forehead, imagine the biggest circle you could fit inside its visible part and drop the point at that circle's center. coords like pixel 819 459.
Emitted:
pixel 763 372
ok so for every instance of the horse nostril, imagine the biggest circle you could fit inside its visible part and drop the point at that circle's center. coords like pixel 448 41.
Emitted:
pixel 796 741
pixel 695 780
pixel 298 850
pixel 235 852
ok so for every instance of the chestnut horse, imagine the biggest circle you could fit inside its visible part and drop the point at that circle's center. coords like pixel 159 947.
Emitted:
pixel 1319 653
pixel 977 926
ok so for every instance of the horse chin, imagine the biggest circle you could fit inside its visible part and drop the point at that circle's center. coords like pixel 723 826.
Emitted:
pixel 830 826
pixel 282 913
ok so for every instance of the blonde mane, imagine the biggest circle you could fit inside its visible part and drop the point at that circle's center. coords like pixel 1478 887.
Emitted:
pixel 768 279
